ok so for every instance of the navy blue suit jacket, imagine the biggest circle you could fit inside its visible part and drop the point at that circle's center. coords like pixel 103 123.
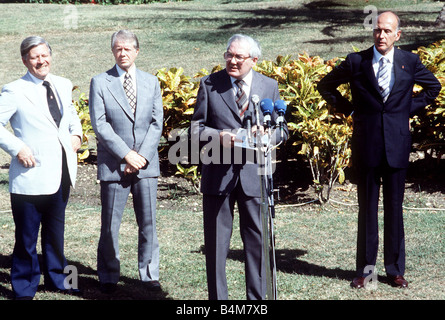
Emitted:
pixel 380 128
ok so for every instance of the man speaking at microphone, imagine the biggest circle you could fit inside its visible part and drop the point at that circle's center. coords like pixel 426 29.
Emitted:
pixel 223 99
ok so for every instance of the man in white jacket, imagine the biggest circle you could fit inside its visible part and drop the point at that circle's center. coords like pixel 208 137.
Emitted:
pixel 46 135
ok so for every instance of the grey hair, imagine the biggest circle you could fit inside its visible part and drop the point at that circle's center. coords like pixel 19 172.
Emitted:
pixel 125 35
pixel 31 42
pixel 255 49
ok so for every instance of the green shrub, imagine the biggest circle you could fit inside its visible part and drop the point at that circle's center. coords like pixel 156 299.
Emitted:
pixel 323 137
pixel 429 125
pixel 316 132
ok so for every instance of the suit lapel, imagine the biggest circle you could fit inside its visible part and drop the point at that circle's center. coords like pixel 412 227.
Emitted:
pixel 141 87
pixel 117 91
pixel 226 92
pixel 398 69
pixel 369 70
pixel 227 95
pixel 59 91
pixel 33 95
pixel 256 89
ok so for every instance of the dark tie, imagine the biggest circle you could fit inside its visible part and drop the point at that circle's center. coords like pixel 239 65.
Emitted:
pixel 383 78
pixel 129 91
pixel 241 98
pixel 52 103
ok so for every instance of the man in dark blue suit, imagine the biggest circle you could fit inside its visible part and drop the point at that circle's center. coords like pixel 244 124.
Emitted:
pixel 381 80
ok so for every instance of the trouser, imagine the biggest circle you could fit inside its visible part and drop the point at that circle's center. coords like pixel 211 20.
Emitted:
pixel 28 213
pixel 393 182
pixel 218 221
pixel 114 197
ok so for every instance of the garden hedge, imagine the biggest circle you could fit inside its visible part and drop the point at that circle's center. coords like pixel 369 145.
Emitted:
pixel 316 131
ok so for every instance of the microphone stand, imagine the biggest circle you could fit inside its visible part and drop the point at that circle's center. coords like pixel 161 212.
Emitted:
pixel 264 149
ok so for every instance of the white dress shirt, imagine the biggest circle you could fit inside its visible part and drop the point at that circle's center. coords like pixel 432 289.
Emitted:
pixel 376 63
pixel 131 72
pixel 246 86
pixel 42 90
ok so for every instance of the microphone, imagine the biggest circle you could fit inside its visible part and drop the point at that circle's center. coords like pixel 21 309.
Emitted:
pixel 267 109
pixel 280 108
pixel 248 122
pixel 255 100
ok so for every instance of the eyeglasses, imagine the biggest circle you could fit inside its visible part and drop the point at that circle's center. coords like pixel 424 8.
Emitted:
pixel 229 56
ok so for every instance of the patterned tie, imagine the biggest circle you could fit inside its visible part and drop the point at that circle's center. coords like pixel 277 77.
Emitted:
pixel 129 91
pixel 52 103
pixel 241 98
pixel 383 78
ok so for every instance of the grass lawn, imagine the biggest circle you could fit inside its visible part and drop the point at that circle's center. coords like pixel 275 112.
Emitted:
pixel 193 34
pixel 315 244
pixel 315 251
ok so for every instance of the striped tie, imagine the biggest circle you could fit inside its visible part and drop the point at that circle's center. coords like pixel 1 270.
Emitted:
pixel 383 78
pixel 241 98
pixel 129 91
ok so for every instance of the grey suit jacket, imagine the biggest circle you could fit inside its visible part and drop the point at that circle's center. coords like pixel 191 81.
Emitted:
pixel 215 111
pixel 118 130
pixel 22 105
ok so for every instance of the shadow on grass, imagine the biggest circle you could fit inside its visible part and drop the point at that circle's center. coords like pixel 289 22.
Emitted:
pixel 127 288
pixel 333 18
pixel 287 262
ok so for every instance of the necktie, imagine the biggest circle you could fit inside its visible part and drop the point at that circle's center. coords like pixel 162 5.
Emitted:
pixel 383 78
pixel 52 103
pixel 129 91
pixel 241 98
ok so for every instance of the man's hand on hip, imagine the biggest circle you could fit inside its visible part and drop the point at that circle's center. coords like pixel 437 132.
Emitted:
pixel 26 158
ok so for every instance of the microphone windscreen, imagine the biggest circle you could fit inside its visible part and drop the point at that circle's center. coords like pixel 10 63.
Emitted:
pixel 280 106
pixel 255 99
pixel 266 106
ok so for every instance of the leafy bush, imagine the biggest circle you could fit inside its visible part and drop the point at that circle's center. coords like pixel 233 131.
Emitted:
pixel 429 126
pixel 81 106
pixel 178 96
pixel 316 131
pixel 323 136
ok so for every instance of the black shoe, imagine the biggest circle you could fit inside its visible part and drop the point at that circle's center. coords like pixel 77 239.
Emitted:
pixel 72 292
pixel 107 288
pixel 153 285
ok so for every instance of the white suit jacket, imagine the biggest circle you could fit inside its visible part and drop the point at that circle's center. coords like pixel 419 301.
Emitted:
pixel 22 105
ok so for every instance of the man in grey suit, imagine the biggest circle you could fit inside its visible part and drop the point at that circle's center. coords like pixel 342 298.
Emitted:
pixel 46 135
pixel 220 111
pixel 126 114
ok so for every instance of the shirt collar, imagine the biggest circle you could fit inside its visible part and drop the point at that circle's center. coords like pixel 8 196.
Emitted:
pixel 378 55
pixel 37 80
pixel 247 78
pixel 122 72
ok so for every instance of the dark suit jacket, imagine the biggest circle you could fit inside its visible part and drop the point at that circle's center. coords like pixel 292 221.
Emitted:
pixel 215 111
pixel 118 130
pixel 380 127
